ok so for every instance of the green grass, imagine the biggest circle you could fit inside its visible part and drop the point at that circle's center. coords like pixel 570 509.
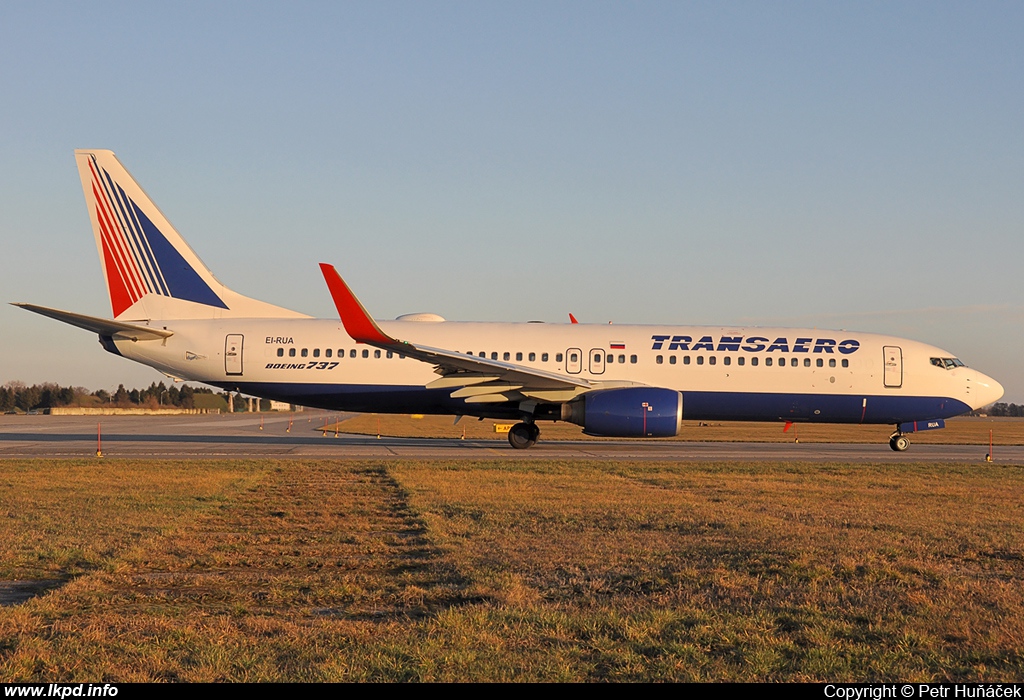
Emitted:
pixel 490 571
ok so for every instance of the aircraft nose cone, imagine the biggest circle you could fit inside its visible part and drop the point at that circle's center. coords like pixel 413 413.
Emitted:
pixel 986 390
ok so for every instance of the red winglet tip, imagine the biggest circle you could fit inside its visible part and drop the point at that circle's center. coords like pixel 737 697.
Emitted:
pixel 572 319
pixel 353 316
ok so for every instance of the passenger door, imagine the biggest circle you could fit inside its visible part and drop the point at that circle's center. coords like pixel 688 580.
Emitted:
pixel 892 357
pixel 233 355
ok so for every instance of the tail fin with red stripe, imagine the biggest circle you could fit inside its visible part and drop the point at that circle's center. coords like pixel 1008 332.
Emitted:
pixel 151 272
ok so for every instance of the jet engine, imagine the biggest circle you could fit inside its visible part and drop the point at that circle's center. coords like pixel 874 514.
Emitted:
pixel 627 412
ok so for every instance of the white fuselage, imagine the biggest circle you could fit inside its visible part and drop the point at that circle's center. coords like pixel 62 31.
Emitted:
pixel 723 372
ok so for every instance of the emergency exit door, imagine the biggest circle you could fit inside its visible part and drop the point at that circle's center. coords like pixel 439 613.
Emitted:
pixel 573 360
pixel 893 359
pixel 233 355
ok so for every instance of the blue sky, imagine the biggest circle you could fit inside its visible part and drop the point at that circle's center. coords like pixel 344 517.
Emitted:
pixel 851 165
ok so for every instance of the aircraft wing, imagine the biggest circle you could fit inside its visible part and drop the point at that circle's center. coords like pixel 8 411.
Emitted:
pixel 475 379
pixel 102 326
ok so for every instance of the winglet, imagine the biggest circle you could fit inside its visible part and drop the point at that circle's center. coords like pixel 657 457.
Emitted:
pixel 572 319
pixel 357 322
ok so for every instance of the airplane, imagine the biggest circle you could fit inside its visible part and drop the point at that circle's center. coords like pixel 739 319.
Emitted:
pixel 171 313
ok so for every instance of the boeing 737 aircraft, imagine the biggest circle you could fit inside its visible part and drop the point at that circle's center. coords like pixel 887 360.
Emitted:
pixel 171 313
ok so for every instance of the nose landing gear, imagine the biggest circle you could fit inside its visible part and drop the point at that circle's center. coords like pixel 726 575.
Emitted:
pixel 899 442
pixel 523 435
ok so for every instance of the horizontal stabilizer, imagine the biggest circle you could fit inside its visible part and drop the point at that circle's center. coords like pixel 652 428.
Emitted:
pixel 102 326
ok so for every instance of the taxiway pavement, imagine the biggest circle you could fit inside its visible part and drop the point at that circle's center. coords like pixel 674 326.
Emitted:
pixel 239 435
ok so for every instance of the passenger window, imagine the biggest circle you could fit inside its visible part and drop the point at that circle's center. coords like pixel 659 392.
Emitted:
pixel 741 361
pixel 753 362
pixel 611 359
pixel 558 357
pixel 686 359
pixel 846 363
pixel 543 357
pixel 327 352
pixel 352 352
pixel 316 352
pixel 494 356
pixel 700 359
pixel 672 359
pixel 726 360
pixel 831 363
pixel 622 359
pixel 506 356
pixel 767 362
pixel 572 357
pixel 794 362
pixel 597 358
pixel 376 354
pixel 519 357
pixel 807 362
pixel 532 357
pixel 819 362
pixel 632 359
pixel 659 360
pixel 366 353
pixel 712 360
pixel 291 352
pixel 390 354
pixel 280 352
pixel 482 354
pixel 305 352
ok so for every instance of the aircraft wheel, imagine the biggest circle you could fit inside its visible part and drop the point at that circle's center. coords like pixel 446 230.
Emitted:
pixel 899 443
pixel 523 435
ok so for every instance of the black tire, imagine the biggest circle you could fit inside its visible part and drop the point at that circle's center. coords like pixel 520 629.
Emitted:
pixel 523 435
pixel 899 443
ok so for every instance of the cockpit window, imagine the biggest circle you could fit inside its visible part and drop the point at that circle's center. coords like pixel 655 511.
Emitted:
pixel 947 362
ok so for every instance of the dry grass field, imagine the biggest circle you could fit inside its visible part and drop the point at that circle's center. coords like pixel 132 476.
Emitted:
pixel 490 571
pixel 958 431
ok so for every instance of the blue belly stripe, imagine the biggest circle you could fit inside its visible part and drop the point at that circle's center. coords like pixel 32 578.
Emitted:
pixel 697 405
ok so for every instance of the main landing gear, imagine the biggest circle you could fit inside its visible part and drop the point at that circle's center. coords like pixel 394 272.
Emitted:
pixel 523 435
pixel 899 442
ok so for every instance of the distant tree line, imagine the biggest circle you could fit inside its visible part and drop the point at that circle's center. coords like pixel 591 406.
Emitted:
pixel 16 396
pixel 1010 410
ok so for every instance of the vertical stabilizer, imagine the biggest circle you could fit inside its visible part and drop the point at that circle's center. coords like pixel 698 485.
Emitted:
pixel 151 272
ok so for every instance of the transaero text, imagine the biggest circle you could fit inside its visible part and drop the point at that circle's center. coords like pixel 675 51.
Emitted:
pixel 754 343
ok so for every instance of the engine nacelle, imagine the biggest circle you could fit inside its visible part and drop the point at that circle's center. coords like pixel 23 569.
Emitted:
pixel 627 412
